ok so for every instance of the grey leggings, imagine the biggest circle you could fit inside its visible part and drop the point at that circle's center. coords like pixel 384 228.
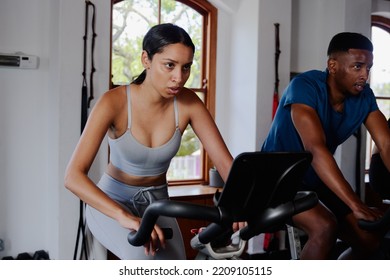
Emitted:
pixel 114 237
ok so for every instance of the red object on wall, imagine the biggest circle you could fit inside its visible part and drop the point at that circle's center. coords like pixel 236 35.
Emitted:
pixel 275 104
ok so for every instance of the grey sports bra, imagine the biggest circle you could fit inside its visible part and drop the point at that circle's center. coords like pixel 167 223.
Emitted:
pixel 134 158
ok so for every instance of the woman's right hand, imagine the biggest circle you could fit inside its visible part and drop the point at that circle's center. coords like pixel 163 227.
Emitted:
pixel 157 238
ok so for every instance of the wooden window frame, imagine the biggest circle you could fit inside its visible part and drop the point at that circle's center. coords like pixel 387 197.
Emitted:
pixel 383 23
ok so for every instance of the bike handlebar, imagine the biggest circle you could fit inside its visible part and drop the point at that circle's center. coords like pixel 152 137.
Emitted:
pixel 381 224
pixel 274 217
pixel 222 219
pixel 169 208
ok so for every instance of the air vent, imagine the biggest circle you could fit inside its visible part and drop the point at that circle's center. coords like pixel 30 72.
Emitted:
pixel 19 60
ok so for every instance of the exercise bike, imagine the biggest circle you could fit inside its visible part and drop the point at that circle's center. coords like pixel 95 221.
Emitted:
pixel 261 189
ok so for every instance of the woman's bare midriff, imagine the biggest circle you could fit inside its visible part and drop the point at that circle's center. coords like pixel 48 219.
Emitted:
pixel 140 181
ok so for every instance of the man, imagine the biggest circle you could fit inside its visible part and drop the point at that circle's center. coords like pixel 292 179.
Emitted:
pixel 319 110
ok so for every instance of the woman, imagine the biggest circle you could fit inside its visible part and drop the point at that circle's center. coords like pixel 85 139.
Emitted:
pixel 144 122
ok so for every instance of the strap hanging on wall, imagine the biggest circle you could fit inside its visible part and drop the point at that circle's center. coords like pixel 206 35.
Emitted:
pixel 358 167
pixel 86 98
pixel 270 239
pixel 277 54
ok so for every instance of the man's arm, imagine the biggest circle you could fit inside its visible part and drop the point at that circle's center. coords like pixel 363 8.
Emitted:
pixel 309 127
pixel 376 125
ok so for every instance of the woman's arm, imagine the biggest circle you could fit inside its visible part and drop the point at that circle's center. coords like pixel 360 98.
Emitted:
pixel 102 117
pixel 377 126
pixel 207 131
pixel 76 176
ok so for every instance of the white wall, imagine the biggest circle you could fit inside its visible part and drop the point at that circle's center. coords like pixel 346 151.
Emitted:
pixel 326 18
pixel 24 108
pixel 240 81
pixel 245 68
pixel 40 120
pixel 40 109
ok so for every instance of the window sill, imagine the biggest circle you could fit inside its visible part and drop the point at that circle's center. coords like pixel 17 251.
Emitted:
pixel 192 191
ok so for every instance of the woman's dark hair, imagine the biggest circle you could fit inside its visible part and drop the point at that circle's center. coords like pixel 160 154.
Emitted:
pixel 160 36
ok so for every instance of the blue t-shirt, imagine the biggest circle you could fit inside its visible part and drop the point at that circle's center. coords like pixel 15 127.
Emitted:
pixel 310 88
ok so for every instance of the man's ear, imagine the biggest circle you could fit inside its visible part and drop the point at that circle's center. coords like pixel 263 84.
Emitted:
pixel 332 65
pixel 145 60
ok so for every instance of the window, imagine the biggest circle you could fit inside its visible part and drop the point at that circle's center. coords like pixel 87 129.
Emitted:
pixel 380 72
pixel 131 19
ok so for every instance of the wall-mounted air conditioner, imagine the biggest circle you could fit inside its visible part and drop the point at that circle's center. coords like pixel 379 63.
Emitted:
pixel 19 60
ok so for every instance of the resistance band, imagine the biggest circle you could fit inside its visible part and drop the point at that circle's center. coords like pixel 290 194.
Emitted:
pixel 269 238
pixel 277 54
pixel 85 104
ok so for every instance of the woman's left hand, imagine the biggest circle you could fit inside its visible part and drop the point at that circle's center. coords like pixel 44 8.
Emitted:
pixel 239 225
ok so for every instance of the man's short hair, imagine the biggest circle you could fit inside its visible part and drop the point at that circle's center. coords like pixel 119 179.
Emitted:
pixel 344 41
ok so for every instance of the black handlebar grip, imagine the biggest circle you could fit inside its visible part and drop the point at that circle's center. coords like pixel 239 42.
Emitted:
pixel 169 208
pixel 381 224
pixel 168 234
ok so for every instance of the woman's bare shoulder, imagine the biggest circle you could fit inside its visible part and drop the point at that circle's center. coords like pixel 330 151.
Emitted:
pixel 188 97
pixel 114 98
pixel 116 92
pixel 190 104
